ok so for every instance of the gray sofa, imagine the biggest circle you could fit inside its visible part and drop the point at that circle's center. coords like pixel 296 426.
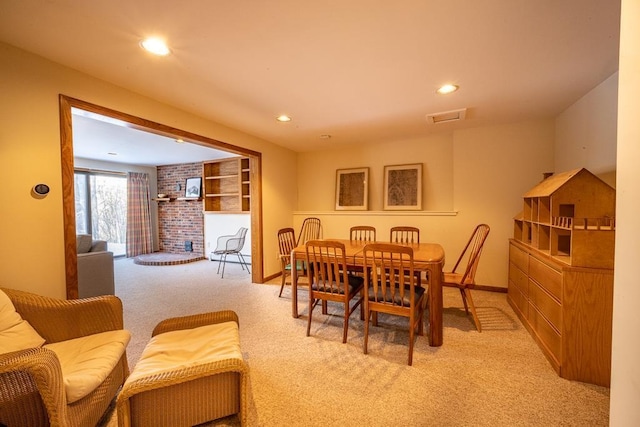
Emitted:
pixel 95 267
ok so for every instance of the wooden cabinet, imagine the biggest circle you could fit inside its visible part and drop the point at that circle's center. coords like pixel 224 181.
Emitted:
pixel 561 273
pixel 227 185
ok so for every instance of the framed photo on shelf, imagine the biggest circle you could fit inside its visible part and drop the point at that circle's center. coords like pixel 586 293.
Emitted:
pixel 192 187
pixel 352 189
pixel 403 187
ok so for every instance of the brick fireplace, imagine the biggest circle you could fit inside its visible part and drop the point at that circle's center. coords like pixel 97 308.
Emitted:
pixel 179 221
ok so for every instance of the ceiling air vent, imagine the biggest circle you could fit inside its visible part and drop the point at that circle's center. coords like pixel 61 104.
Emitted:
pixel 446 116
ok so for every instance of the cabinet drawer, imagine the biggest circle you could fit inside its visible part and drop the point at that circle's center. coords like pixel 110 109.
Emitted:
pixel 547 277
pixel 518 278
pixel 519 257
pixel 546 305
pixel 519 300
pixel 545 332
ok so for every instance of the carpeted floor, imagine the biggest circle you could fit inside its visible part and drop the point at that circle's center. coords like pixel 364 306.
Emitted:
pixel 495 378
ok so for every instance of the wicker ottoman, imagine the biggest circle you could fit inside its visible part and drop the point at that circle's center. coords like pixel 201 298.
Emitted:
pixel 190 372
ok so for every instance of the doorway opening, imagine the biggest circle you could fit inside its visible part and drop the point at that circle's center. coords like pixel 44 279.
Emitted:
pixel 68 180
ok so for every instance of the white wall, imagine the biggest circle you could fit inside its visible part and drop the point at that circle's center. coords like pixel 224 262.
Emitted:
pixel 586 132
pixel 625 366
pixel 470 176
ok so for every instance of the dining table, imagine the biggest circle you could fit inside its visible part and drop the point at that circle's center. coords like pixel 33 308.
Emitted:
pixel 427 257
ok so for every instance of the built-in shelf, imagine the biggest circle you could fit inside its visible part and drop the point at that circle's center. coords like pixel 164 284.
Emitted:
pixel 172 199
pixel 227 184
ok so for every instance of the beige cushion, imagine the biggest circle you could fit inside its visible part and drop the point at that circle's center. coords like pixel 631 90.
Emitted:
pixel 87 361
pixel 15 332
pixel 187 348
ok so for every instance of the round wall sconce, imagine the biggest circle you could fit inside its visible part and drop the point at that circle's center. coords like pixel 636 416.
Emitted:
pixel 40 191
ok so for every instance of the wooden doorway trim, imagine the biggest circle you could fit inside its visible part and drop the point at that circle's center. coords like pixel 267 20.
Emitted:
pixel 68 197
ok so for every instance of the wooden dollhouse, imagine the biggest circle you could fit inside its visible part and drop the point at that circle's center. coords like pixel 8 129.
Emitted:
pixel 561 272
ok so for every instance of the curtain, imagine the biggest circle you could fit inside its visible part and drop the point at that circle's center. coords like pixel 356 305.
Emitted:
pixel 139 239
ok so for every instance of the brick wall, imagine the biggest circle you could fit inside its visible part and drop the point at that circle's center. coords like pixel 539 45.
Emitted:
pixel 179 220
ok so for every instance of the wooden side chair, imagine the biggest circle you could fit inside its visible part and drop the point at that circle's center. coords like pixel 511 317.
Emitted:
pixel 465 281
pixel 404 234
pixel 311 229
pixel 329 281
pixel 286 243
pixel 391 290
pixel 363 233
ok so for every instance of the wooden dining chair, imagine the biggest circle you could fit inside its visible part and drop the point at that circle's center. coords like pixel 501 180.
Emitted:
pixel 286 243
pixel 465 281
pixel 363 233
pixel 329 281
pixel 404 234
pixel 311 229
pixel 391 290
pixel 407 235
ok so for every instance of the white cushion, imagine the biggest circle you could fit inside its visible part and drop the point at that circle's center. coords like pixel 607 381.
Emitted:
pixel 87 361
pixel 15 332
pixel 187 348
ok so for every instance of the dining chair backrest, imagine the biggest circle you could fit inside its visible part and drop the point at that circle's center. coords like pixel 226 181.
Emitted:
pixel 286 241
pixel 389 274
pixel 327 262
pixel 311 229
pixel 404 234
pixel 286 244
pixel 472 252
pixel 363 233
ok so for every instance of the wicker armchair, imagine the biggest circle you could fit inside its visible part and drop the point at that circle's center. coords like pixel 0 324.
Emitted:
pixel 186 394
pixel 32 390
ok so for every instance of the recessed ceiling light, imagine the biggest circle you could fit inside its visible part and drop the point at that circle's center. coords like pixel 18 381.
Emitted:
pixel 283 118
pixel 155 46
pixel 448 88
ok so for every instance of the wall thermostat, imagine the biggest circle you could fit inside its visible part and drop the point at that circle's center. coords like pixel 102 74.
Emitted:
pixel 41 189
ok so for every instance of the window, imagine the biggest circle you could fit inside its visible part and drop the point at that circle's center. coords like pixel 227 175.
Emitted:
pixel 101 208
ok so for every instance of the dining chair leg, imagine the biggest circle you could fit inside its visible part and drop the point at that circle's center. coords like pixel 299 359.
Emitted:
pixel 284 279
pixel 311 305
pixel 412 331
pixel 464 300
pixel 473 310
pixel 367 315
pixel 345 327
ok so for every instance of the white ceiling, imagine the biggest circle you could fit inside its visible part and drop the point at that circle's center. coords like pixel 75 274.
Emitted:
pixel 359 70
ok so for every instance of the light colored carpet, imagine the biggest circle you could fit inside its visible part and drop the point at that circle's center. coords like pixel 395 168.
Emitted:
pixel 495 378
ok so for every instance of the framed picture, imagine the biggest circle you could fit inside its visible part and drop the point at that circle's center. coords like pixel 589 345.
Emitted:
pixel 192 187
pixel 403 187
pixel 352 189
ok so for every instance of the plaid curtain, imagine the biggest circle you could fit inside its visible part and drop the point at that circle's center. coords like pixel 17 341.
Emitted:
pixel 139 240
